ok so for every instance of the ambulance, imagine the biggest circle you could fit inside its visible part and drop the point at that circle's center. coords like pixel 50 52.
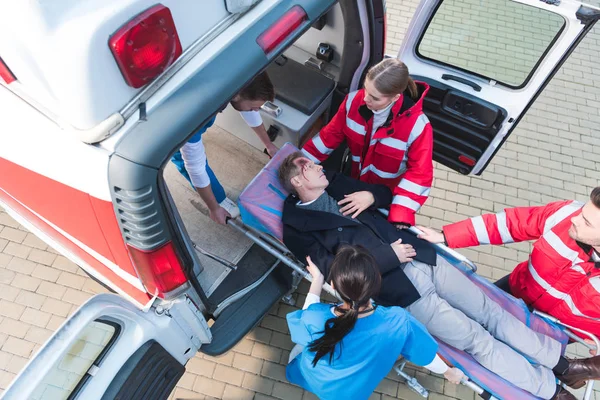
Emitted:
pixel 97 95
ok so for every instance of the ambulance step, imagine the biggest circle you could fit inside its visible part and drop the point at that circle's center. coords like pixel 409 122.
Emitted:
pixel 251 268
pixel 240 317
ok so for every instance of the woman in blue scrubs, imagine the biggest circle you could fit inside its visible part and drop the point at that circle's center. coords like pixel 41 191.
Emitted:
pixel 344 351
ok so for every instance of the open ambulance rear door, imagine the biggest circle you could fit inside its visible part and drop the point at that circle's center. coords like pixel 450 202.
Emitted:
pixel 486 63
pixel 108 349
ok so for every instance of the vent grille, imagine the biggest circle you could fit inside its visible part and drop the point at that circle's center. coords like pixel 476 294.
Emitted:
pixel 139 217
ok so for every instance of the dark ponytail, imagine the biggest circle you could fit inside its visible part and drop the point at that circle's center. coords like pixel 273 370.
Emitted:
pixel 356 279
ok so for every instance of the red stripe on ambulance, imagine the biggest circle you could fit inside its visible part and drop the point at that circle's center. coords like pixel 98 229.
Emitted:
pixel 90 220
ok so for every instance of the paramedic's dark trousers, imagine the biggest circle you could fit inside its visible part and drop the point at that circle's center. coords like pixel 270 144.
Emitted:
pixel 456 311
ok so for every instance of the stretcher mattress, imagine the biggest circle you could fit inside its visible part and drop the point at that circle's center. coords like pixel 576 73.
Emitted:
pixel 261 202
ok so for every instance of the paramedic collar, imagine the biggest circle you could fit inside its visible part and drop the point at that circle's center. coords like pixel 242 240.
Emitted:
pixel 380 117
pixel 384 110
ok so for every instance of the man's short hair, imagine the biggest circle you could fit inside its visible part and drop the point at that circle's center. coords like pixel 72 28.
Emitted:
pixel 595 197
pixel 289 169
pixel 261 88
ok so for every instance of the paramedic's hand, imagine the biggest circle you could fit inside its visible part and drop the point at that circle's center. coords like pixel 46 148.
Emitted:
pixel 404 252
pixel 430 235
pixel 356 202
pixel 272 149
pixel 454 375
pixel 219 215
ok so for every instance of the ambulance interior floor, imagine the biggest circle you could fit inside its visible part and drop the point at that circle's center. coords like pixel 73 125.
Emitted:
pixel 235 163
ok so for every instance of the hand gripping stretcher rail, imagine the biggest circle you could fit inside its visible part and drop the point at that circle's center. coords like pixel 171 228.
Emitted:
pixel 261 205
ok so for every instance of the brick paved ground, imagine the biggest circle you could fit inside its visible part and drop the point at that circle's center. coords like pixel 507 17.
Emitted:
pixel 550 156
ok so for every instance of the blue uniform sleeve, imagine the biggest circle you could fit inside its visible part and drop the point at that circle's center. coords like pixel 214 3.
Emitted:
pixel 298 329
pixel 198 135
pixel 420 347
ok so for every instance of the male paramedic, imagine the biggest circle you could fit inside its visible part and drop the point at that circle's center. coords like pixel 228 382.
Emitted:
pixel 327 210
pixel 562 275
pixel 191 158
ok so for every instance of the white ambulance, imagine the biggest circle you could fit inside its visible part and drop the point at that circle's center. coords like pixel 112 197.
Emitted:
pixel 96 96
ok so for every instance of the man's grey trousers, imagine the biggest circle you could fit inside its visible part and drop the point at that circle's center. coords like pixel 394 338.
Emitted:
pixel 457 312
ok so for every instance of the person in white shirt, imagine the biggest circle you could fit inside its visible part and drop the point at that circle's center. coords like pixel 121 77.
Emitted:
pixel 191 159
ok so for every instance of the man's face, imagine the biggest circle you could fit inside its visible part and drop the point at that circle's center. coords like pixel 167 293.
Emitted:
pixel 375 100
pixel 311 175
pixel 246 105
pixel 585 227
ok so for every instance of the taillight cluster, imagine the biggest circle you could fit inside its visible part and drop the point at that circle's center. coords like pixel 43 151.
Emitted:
pixel 146 45
pixel 5 73
pixel 160 270
pixel 270 39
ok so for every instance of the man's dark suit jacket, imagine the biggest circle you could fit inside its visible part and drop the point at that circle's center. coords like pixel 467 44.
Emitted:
pixel 319 234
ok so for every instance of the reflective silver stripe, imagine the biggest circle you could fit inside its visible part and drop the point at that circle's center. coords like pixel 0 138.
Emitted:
pixel 379 173
pixel 561 248
pixel 355 126
pixel 557 294
pixel 349 101
pixel 318 142
pixel 406 202
pixel 311 157
pixel 480 230
pixel 402 169
pixel 373 141
pixel 561 214
pixel 578 269
pixel 395 143
pixel 414 188
pixel 503 228
pixel 417 129
pixel 595 282
pixel 356 159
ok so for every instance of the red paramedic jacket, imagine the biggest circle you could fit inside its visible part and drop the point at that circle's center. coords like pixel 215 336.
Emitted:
pixel 560 278
pixel 399 154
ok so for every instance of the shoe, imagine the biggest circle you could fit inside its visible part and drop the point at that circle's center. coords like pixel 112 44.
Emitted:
pixel 564 395
pixel 577 385
pixel 580 371
pixel 230 206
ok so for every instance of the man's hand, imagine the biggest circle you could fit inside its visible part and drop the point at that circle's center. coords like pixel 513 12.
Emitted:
pixel 593 352
pixel 317 277
pixel 454 375
pixel 272 149
pixel 219 215
pixel 430 235
pixel 404 252
pixel 356 203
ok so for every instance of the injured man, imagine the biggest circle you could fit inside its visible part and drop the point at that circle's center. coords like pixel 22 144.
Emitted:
pixel 327 210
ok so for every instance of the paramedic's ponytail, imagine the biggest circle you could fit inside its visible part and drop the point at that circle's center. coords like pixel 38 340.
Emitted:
pixel 391 77
pixel 356 279
pixel 412 89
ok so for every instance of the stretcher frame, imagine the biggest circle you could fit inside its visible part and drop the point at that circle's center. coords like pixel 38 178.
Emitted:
pixel 281 252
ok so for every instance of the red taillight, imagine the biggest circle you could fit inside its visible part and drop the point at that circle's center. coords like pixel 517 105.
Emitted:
pixel 5 73
pixel 145 46
pixel 160 270
pixel 467 160
pixel 280 30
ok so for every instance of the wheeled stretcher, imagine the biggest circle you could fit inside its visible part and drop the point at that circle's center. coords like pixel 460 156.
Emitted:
pixel 261 205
